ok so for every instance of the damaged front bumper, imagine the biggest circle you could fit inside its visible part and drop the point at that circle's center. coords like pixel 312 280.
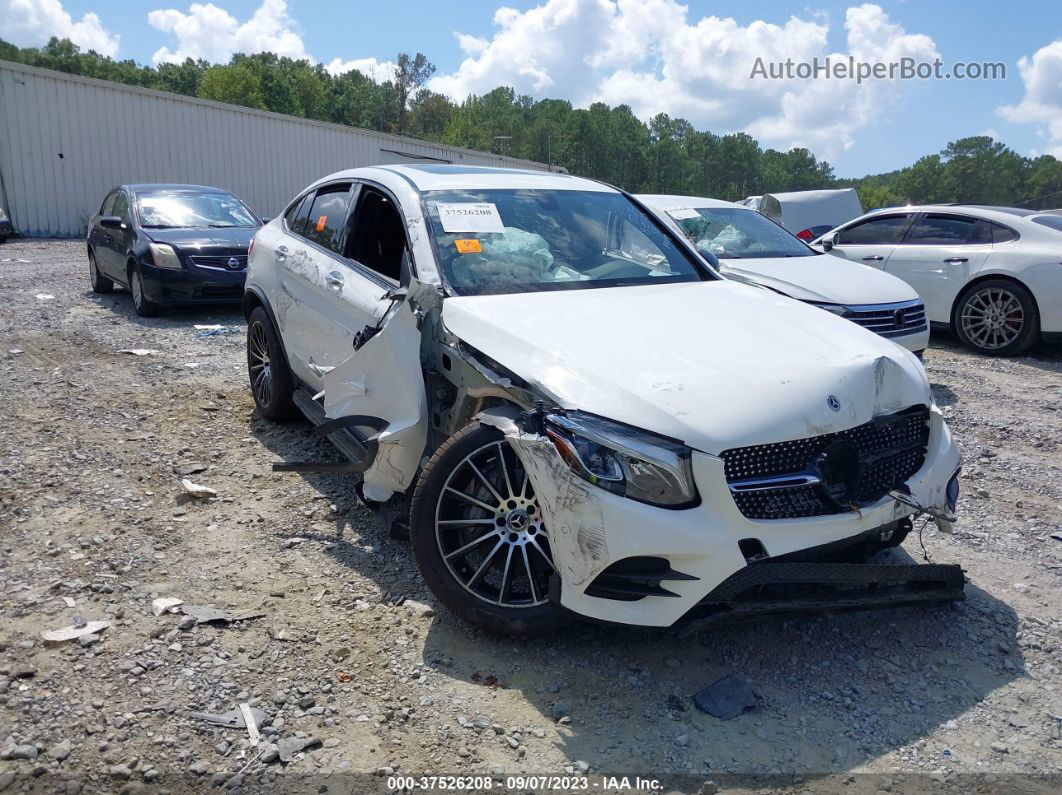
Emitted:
pixel 711 560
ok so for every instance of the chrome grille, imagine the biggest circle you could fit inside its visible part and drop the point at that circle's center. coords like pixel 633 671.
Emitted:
pixel 221 262
pixel 890 320
pixel 777 481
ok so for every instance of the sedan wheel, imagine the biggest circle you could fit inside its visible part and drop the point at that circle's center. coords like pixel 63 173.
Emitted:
pixel 141 304
pixel 480 538
pixel 997 318
pixel 99 282
pixel 267 369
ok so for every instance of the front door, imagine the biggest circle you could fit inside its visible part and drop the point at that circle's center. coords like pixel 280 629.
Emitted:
pixel 938 256
pixel 871 241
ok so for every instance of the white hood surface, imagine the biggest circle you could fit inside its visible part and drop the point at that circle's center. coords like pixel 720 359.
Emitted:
pixel 714 364
pixel 820 279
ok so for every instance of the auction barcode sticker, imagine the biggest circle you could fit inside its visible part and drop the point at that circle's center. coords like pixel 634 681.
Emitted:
pixel 683 213
pixel 470 217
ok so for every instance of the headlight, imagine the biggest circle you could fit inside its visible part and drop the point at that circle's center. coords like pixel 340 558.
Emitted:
pixel 835 309
pixel 623 460
pixel 165 257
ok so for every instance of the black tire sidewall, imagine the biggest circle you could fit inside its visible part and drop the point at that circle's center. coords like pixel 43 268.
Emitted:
pixel 281 406
pixel 513 621
pixel 1030 332
pixel 99 282
pixel 145 308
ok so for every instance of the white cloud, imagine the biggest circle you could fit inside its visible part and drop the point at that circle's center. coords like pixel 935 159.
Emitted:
pixel 30 23
pixel 650 55
pixel 380 71
pixel 213 34
pixel 1042 103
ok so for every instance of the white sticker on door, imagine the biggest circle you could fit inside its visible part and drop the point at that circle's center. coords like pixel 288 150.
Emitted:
pixel 470 217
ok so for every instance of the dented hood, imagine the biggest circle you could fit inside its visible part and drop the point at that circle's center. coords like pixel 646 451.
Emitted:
pixel 822 279
pixel 714 364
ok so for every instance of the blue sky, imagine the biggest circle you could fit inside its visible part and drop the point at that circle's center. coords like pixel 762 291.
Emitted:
pixel 651 55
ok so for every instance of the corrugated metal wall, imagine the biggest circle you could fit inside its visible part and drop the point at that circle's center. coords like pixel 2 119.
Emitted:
pixel 65 141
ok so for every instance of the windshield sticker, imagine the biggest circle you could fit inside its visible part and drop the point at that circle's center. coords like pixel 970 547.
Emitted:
pixel 471 246
pixel 683 213
pixel 470 217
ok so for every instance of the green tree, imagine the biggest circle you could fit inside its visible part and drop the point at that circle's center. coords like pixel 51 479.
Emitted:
pixel 411 74
pixel 237 84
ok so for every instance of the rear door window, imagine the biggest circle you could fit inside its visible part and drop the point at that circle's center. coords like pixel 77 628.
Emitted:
pixel 296 216
pixel 324 222
pixel 945 229
pixel 877 231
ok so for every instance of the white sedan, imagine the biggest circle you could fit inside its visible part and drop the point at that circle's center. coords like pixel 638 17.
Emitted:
pixel 991 274
pixel 752 248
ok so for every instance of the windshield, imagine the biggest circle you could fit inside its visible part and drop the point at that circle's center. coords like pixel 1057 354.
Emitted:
pixel 733 233
pixel 509 241
pixel 184 209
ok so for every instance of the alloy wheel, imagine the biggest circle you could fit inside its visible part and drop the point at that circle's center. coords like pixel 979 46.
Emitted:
pixel 137 289
pixel 490 529
pixel 992 318
pixel 261 373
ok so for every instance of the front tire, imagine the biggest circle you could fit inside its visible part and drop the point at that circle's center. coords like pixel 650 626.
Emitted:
pixel 997 317
pixel 267 368
pixel 479 539
pixel 143 306
pixel 100 283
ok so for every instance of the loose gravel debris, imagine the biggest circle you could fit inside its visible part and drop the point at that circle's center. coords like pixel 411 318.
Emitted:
pixel 357 679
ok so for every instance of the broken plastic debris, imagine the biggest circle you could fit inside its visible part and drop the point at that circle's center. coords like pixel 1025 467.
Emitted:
pixel 138 351
pixel 214 330
pixel 165 604
pixel 74 631
pixel 233 719
pixel 45 296
pixel 197 491
pixel 726 698
pixel 251 722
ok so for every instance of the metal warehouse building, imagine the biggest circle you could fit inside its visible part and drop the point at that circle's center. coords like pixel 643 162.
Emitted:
pixel 66 140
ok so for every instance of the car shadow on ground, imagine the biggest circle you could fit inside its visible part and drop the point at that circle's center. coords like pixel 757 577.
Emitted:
pixel 835 691
pixel 178 316
pixel 1044 356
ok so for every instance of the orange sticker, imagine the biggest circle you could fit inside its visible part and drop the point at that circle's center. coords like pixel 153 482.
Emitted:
pixel 321 223
pixel 471 246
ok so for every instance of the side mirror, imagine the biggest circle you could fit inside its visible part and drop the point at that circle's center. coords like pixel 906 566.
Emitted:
pixel 829 243
pixel 111 222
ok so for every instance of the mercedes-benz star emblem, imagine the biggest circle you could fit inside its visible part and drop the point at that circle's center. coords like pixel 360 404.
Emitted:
pixel 900 317
pixel 833 402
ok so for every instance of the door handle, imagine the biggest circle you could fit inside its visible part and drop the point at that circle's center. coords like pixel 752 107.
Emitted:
pixel 334 279
pixel 956 260
pixel 281 253
pixel 875 258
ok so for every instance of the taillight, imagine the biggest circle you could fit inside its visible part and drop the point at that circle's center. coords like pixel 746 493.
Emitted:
pixel 805 235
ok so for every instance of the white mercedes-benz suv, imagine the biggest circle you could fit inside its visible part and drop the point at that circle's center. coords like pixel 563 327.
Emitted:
pixel 572 413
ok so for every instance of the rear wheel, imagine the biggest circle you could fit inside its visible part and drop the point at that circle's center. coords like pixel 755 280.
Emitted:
pixel 99 282
pixel 479 536
pixel 997 317
pixel 271 381
pixel 143 306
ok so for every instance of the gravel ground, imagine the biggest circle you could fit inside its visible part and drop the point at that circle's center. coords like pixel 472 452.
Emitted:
pixel 95 526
